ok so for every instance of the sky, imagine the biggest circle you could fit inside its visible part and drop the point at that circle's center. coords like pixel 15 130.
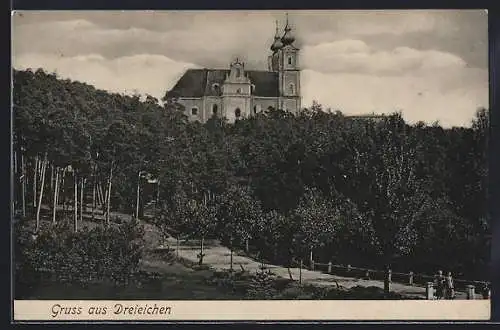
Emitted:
pixel 430 65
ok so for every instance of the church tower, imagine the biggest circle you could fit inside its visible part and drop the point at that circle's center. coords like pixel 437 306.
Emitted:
pixel 285 61
pixel 289 71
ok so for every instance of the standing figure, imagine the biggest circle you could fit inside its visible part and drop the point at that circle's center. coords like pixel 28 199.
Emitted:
pixel 450 288
pixel 439 285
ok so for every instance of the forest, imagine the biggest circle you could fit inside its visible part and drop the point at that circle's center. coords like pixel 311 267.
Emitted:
pixel 285 186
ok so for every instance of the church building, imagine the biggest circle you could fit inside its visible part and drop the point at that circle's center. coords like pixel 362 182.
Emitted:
pixel 235 93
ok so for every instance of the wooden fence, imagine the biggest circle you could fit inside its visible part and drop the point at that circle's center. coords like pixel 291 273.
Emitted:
pixel 472 288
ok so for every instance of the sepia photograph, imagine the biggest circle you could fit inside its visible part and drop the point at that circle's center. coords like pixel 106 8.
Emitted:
pixel 243 156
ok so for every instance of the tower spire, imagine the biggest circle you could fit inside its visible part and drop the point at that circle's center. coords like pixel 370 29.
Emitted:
pixel 277 44
pixel 287 38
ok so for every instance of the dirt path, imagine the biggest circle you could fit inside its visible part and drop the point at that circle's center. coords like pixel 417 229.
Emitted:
pixel 218 257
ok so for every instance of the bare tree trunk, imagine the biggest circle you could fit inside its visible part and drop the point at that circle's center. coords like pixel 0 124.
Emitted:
pixel 231 255
pixel 75 207
pixel 311 258
pixel 35 179
pixel 105 199
pixel 93 195
pixel 51 177
pixel 62 173
pixel 109 194
pixel 54 207
pixel 137 197
pixel 63 188
pixel 247 248
pixel 16 170
pixel 23 186
pixel 157 198
pixel 82 183
pixel 39 206
pixel 98 194
pixel 201 252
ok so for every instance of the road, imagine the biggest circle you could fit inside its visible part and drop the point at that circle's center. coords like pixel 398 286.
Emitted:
pixel 218 257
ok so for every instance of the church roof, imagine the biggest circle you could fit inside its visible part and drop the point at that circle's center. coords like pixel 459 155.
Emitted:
pixel 200 82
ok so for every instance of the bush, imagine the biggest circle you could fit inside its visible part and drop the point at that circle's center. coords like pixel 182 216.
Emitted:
pixel 111 253
pixel 262 285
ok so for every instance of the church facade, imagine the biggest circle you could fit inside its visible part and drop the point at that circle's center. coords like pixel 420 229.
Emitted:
pixel 236 93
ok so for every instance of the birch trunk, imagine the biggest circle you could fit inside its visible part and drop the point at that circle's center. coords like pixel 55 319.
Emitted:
pixel 63 188
pixel 98 194
pixel 39 206
pixel 231 255
pixel 157 198
pixel 35 179
pixel 109 195
pixel 23 186
pixel 137 197
pixel 105 200
pixel 93 195
pixel 201 251
pixel 54 207
pixel 82 183
pixel 51 177
pixel 75 207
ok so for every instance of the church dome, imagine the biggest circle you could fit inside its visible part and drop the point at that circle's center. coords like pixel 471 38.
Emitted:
pixel 288 37
pixel 277 44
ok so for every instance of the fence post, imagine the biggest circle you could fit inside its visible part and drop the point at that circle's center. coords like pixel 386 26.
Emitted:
pixel 300 272
pixel 367 274
pixel 348 268
pixel 471 292
pixel 312 264
pixel 387 281
pixel 177 248
pixel 329 267
pixel 410 278
pixel 429 291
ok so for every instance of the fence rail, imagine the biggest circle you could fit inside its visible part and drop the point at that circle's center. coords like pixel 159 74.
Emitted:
pixel 388 277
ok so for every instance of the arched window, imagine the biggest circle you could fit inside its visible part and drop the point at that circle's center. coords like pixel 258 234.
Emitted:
pixel 238 72
pixel 194 111
pixel 291 89
pixel 252 88
pixel 289 60
pixel 216 88
pixel 214 109
pixel 237 113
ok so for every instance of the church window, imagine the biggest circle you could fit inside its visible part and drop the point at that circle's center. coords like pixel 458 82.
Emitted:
pixel 291 89
pixel 194 111
pixel 289 60
pixel 237 113
pixel 214 109
pixel 238 72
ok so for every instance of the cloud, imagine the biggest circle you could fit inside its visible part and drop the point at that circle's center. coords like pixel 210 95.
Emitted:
pixel 144 74
pixel 419 98
pixel 211 45
pixel 357 56
pixel 346 64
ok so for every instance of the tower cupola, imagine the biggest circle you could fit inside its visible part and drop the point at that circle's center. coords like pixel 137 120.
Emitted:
pixel 277 44
pixel 287 38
